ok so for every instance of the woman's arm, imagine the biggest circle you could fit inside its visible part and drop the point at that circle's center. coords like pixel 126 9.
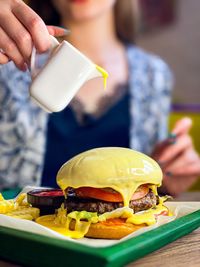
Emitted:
pixel 22 131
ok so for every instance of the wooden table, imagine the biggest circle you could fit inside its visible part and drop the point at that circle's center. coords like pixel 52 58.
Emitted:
pixel 184 252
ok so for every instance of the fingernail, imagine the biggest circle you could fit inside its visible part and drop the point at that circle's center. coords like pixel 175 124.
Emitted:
pixel 168 173
pixel 172 135
pixel 172 142
pixel 187 120
pixel 1 51
pixel 24 67
pixel 65 31
pixel 172 138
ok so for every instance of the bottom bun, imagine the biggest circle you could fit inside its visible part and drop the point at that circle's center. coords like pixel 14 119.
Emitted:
pixel 111 229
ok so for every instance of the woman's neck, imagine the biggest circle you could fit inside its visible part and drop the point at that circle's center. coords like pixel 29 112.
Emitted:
pixel 95 38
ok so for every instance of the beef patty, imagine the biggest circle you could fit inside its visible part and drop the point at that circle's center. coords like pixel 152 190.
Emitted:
pixel 74 203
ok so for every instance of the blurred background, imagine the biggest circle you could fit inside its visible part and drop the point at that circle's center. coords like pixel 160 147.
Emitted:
pixel 170 29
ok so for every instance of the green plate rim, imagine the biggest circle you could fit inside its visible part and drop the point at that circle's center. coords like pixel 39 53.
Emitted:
pixel 74 254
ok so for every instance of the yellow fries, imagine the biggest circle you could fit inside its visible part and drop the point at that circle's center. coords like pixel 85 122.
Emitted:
pixel 28 213
pixel 18 208
pixel 6 205
pixel 21 200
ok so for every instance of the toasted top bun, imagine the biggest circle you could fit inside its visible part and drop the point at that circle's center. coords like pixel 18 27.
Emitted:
pixel 121 169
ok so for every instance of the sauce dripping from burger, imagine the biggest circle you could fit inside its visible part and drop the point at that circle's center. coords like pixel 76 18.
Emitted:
pixel 123 170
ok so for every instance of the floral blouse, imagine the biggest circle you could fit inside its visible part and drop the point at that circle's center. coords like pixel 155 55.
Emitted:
pixel 23 125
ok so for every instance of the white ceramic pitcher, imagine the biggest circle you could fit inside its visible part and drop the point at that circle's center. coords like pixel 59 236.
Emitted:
pixel 65 71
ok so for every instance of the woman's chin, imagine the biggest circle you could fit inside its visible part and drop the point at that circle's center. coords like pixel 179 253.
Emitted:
pixel 83 15
pixel 85 10
pixel 78 2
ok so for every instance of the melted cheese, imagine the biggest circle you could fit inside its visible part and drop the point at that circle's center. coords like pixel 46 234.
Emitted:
pixel 148 217
pixel 154 189
pixel 83 219
pixel 61 222
pixel 124 212
pixel 122 169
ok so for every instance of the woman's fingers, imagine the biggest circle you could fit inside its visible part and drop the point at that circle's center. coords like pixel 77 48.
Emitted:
pixel 182 126
pixel 187 164
pixel 10 49
pixel 3 58
pixel 175 185
pixel 159 148
pixel 192 169
pixel 172 151
pixel 35 26
pixel 181 173
pixel 21 28
pixel 18 34
pixel 57 31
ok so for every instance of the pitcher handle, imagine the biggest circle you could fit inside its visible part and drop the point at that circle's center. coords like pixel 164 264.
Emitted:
pixel 33 68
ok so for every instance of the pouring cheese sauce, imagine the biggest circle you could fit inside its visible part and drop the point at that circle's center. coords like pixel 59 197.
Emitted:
pixel 104 75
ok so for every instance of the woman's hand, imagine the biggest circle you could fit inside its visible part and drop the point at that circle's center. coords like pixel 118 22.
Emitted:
pixel 20 28
pixel 178 159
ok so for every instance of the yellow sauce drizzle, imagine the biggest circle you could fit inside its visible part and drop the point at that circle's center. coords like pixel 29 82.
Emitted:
pixel 83 219
pixel 148 216
pixel 61 222
pixel 154 189
pixel 104 75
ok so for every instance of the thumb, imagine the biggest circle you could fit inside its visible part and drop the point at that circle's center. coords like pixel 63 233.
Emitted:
pixel 57 31
pixel 182 126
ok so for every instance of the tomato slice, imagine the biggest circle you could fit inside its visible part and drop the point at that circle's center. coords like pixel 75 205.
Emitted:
pixel 108 194
pixel 163 213
pixel 98 193
pixel 141 192
pixel 118 222
pixel 114 221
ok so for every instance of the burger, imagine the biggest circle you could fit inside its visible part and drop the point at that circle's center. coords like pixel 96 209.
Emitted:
pixel 109 193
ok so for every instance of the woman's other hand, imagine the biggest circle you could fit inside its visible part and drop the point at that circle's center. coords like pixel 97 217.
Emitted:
pixel 20 28
pixel 178 159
